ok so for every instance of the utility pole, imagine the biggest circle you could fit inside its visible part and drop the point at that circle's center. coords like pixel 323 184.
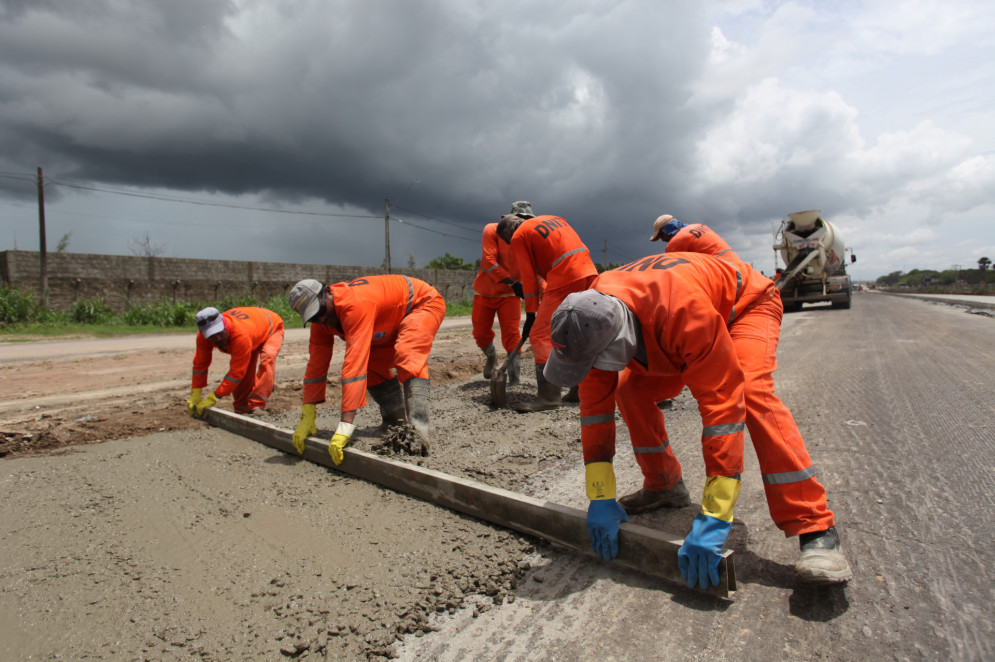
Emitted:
pixel 41 240
pixel 605 263
pixel 386 232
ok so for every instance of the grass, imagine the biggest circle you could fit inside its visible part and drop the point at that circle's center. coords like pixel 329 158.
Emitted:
pixel 22 319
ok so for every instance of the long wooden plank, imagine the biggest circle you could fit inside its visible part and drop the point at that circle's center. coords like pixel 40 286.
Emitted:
pixel 641 548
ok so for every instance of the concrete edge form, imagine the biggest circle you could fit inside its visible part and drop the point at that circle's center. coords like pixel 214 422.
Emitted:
pixel 647 550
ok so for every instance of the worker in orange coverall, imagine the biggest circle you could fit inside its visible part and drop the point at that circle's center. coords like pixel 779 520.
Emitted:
pixel 690 319
pixel 250 335
pixel 497 291
pixel 683 237
pixel 545 247
pixel 388 324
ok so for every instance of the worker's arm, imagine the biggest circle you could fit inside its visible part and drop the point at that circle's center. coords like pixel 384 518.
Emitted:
pixel 526 269
pixel 240 348
pixel 714 377
pixel 597 434
pixel 201 362
pixel 320 348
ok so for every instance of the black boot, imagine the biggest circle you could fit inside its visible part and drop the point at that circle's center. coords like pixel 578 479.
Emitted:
pixel 548 395
pixel 821 560
pixel 388 396
pixel 491 355
pixel 416 391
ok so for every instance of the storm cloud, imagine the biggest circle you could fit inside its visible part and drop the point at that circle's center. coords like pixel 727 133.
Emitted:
pixel 194 121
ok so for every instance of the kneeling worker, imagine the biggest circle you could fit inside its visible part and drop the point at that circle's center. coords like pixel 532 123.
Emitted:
pixel 690 319
pixel 387 322
pixel 249 334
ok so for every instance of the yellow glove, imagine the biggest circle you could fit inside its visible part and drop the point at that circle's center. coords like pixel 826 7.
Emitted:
pixel 193 400
pixel 209 401
pixel 341 437
pixel 305 428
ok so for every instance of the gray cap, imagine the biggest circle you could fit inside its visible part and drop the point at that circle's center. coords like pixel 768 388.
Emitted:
pixel 582 327
pixel 305 299
pixel 522 208
pixel 209 321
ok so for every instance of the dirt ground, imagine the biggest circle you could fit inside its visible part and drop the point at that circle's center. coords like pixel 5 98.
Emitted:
pixel 172 540
pixel 156 535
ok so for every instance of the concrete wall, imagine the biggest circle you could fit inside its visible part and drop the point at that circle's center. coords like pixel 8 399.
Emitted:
pixel 123 280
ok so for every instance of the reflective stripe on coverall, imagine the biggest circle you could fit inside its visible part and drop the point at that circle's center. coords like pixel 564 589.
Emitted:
pixel 712 326
pixel 254 334
pixel 492 297
pixel 387 322
pixel 547 247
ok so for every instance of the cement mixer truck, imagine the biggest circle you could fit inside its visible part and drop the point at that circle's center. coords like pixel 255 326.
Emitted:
pixel 812 250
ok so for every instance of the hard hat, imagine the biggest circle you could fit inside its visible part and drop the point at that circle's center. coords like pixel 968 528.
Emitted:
pixel 665 226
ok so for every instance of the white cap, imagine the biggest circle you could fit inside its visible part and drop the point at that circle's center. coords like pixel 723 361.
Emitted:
pixel 209 321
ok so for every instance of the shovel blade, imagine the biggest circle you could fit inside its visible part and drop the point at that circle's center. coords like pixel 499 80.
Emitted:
pixel 499 388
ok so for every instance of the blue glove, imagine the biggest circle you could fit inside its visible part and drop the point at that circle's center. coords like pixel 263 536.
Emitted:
pixel 699 556
pixel 603 519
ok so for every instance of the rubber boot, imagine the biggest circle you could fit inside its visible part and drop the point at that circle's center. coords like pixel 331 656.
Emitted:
pixel 573 394
pixel 515 369
pixel 491 355
pixel 388 396
pixel 821 560
pixel 416 392
pixel 548 396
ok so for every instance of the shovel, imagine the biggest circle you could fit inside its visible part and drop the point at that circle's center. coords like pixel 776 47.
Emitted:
pixel 499 378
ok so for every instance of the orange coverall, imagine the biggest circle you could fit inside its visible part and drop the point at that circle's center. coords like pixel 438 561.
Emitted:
pixel 713 326
pixel 492 297
pixel 699 238
pixel 547 247
pixel 254 334
pixel 387 322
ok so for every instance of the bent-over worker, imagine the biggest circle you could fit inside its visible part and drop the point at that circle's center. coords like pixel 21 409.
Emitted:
pixel 683 237
pixel 497 291
pixel 249 335
pixel 545 247
pixel 388 323
pixel 679 319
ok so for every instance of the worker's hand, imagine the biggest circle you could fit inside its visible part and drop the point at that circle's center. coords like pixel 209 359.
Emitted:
pixel 517 289
pixel 206 403
pixel 603 519
pixel 305 427
pixel 699 556
pixel 530 319
pixel 341 437
pixel 193 400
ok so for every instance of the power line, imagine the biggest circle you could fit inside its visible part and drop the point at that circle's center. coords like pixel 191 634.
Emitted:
pixel 204 204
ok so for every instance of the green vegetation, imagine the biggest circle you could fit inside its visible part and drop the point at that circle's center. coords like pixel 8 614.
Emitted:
pixel 452 263
pixel 969 281
pixel 20 315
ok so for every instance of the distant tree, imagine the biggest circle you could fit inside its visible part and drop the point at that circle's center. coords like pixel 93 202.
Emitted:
pixel 411 260
pixel 984 263
pixel 64 242
pixel 450 262
pixel 602 268
pixel 145 247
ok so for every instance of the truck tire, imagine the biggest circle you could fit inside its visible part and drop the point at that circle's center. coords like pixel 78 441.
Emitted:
pixel 842 304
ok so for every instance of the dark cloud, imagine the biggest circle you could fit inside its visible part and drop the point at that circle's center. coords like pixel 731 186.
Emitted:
pixel 586 109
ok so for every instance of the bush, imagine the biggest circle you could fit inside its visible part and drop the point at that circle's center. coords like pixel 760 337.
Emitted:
pixel 17 306
pixel 91 311
pixel 163 313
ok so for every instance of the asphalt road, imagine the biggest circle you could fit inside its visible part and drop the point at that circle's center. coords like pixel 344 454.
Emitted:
pixel 894 397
